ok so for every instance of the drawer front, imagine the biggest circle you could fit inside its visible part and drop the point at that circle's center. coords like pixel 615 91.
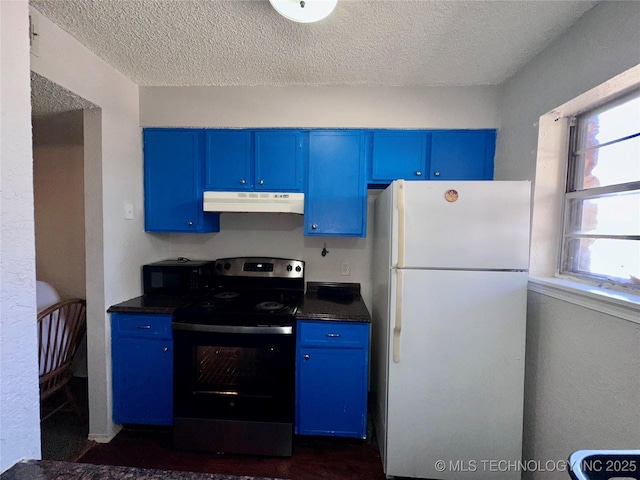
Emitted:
pixel 141 325
pixel 336 334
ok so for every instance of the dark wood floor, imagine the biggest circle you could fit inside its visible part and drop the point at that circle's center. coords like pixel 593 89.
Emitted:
pixel 314 458
pixel 64 437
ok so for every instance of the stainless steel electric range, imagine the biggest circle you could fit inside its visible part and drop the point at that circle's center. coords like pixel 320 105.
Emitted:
pixel 234 359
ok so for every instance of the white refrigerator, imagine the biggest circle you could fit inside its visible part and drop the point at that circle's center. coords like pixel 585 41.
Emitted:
pixel 450 271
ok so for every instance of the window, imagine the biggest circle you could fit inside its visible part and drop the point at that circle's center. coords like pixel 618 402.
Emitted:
pixel 601 234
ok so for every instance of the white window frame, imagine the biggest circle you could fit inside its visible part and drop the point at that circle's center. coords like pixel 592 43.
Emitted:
pixel 548 203
pixel 575 191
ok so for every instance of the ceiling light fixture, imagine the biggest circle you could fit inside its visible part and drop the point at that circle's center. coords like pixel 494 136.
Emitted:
pixel 304 11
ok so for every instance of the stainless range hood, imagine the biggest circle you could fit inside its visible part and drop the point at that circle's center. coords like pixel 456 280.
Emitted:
pixel 265 202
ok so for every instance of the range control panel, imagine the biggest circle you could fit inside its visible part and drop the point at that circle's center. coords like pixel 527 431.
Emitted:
pixel 260 267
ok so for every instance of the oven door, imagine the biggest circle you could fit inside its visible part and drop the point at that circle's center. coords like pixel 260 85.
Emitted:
pixel 236 373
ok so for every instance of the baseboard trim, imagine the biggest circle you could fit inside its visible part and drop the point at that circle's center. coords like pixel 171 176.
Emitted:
pixel 105 437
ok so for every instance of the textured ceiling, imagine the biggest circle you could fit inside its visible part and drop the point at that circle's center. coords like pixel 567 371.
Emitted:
pixel 363 42
pixel 49 98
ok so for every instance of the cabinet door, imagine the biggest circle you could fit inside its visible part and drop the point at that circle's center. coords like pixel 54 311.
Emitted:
pixel 336 199
pixel 332 389
pixel 332 367
pixel 173 165
pixel 462 155
pixel 229 164
pixel 142 371
pixel 399 155
pixel 278 160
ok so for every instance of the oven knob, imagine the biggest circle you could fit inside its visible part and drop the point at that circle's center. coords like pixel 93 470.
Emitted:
pixel 289 268
pixel 298 268
pixel 232 404
pixel 227 266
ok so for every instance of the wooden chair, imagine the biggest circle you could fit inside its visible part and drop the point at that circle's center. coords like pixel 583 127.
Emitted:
pixel 61 328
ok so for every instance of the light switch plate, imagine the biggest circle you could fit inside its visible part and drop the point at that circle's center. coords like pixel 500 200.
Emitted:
pixel 128 211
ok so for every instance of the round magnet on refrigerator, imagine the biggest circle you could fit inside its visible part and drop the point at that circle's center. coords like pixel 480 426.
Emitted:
pixel 451 195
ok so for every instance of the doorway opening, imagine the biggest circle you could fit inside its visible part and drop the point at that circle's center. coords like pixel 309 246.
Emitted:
pixel 59 218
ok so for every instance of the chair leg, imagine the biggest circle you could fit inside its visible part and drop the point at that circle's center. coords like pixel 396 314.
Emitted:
pixel 73 402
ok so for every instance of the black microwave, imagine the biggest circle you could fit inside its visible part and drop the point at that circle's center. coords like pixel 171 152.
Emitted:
pixel 177 277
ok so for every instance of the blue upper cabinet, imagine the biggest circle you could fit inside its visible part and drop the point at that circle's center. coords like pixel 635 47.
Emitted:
pixel 173 171
pixel 278 160
pixel 336 196
pixel 462 155
pixel 229 161
pixel 259 160
pixel 399 155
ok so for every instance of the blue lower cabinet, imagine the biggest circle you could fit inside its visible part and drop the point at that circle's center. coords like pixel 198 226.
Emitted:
pixel 332 364
pixel 142 368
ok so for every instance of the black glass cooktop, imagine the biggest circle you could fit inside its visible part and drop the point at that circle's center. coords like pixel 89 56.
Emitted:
pixel 241 307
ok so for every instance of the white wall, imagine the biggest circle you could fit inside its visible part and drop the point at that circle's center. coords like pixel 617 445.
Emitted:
pixel 19 394
pixel 602 44
pixel 58 183
pixel 279 235
pixel 310 107
pixel 581 385
pixel 320 107
pixel 116 248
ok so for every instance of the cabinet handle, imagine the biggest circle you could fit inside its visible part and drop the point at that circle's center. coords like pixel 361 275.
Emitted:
pixel 165 349
pixel 190 223
pixel 243 181
pixel 144 327
pixel 437 174
pixel 306 357
pixel 418 173
pixel 333 335
pixel 314 226
pixel 261 182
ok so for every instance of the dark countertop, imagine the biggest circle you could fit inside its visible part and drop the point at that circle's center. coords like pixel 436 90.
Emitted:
pixel 162 304
pixel 51 470
pixel 322 301
pixel 333 301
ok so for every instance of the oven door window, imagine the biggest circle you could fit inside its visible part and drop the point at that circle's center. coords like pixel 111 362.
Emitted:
pixel 234 376
pixel 239 371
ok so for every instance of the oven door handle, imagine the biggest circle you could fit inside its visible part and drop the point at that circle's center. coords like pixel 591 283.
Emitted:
pixel 258 330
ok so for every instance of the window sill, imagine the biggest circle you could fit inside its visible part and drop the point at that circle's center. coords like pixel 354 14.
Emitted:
pixel 612 302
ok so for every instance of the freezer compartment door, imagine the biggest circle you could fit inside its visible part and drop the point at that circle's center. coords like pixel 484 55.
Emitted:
pixel 462 224
pixel 457 392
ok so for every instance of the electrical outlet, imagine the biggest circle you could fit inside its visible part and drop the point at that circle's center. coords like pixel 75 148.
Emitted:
pixel 345 269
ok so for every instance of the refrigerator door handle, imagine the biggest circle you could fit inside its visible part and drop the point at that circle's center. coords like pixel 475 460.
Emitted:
pixel 401 226
pixel 397 327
